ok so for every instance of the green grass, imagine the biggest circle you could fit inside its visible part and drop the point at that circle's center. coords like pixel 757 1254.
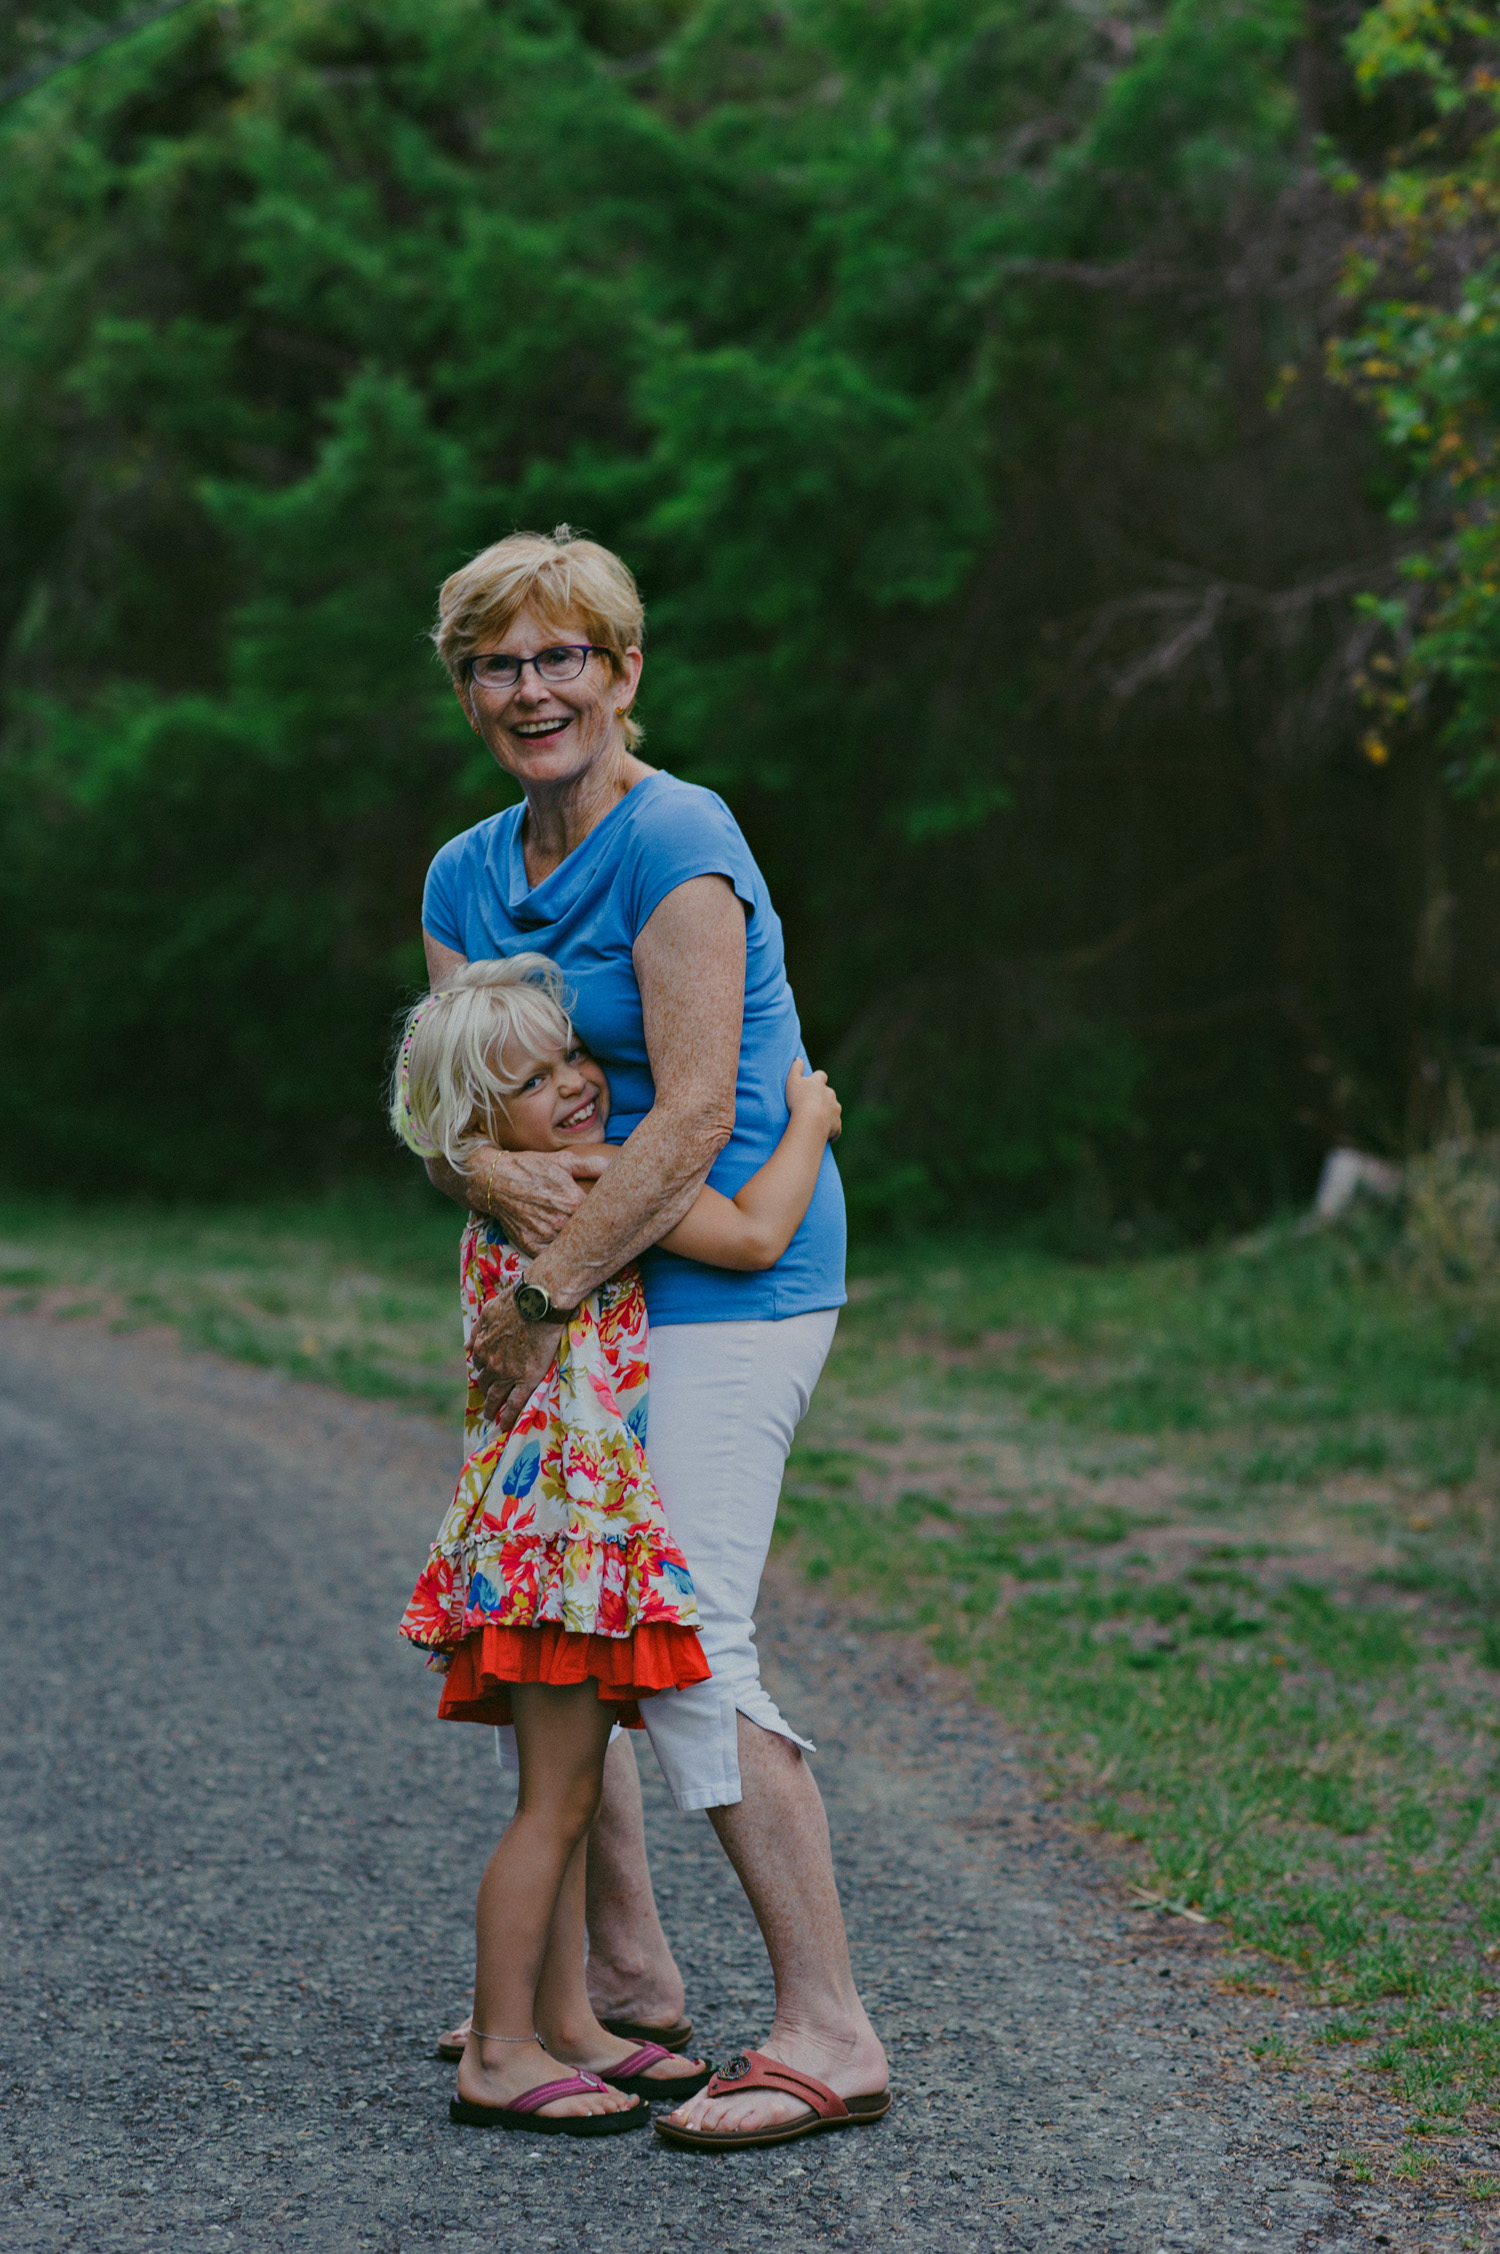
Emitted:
pixel 358 1291
pixel 1221 1531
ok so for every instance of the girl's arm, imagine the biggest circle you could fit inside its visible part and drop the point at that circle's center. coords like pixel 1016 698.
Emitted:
pixel 753 1229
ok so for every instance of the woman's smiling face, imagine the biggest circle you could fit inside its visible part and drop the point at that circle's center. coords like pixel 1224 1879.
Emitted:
pixel 563 1101
pixel 549 733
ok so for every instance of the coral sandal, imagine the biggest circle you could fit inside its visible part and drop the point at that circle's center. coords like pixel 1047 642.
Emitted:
pixel 633 2075
pixel 752 2070
pixel 523 2113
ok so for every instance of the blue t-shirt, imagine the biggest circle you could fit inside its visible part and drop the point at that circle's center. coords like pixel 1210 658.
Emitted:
pixel 587 915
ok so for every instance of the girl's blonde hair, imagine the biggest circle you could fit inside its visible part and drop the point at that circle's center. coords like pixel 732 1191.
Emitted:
pixel 450 1075
pixel 557 574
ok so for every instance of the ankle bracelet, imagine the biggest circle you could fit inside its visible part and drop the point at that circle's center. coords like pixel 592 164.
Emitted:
pixel 484 2038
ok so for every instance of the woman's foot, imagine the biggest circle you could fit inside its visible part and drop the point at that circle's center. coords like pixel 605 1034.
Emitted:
pixel 647 1996
pixel 496 2073
pixel 853 2067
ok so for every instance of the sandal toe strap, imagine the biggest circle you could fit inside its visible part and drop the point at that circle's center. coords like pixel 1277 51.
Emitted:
pixel 752 2070
pixel 576 2085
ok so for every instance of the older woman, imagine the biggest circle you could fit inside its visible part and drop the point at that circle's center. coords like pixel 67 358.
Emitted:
pixel 644 890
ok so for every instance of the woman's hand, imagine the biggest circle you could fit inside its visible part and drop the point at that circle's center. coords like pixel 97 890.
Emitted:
pixel 510 1358
pixel 532 1193
pixel 808 1093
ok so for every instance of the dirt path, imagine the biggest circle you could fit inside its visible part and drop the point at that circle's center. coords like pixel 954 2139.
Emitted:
pixel 241 1860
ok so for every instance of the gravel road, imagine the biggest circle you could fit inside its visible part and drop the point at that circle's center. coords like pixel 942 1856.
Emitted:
pixel 240 1858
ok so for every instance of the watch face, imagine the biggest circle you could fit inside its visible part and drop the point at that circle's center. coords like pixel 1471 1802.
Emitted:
pixel 532 1303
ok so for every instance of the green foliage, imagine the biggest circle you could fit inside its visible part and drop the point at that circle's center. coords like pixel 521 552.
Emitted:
pixel 356 1289
pixel 1428 358
pixel 1289 1743
pixel 917 356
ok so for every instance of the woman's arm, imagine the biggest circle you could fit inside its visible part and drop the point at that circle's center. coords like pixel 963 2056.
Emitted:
pixel 532 1194
pixel 690 967
pixel 754 1227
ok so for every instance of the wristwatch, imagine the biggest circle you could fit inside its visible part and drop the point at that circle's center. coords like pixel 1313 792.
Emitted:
pixel 534 1305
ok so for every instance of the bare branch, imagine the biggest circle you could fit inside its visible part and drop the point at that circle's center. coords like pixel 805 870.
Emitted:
pixel 1191 615
pixel 1136 276
pixel 1165 658
pixel 1162 911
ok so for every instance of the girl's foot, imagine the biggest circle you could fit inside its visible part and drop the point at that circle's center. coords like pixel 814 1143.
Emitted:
pixel 648 2069
pixel 674 2037
pixel 511 2069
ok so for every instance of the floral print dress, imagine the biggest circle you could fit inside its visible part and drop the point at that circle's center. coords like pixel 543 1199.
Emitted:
pixel 555 1563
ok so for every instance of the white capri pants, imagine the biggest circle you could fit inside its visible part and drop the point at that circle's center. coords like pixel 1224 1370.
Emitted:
pixel 725 1401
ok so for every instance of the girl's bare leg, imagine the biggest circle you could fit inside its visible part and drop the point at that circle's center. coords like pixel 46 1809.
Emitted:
pixel 564 2015
pixel 631 1970
pixel 561 1734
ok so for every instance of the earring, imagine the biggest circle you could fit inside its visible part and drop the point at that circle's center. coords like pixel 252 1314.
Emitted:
pixel 620 711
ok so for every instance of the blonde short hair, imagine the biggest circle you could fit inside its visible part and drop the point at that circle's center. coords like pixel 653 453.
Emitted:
pixel 558 575
pixel 450 1075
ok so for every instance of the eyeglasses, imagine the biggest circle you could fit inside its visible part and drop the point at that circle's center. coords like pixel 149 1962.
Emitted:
pixel 564 662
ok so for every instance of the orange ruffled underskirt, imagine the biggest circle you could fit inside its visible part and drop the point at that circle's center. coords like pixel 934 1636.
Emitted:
pixel 657 1656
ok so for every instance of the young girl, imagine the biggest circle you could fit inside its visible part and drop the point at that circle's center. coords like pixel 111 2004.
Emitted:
pixel 554 1595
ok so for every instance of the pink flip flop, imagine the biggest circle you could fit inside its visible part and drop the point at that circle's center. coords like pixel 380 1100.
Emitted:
pixel 523 2113
pixel 633 2075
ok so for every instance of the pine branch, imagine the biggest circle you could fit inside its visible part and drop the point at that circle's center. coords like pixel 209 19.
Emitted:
pixel 37 74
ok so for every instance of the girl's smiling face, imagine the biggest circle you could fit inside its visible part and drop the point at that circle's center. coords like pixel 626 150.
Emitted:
pixel 563 1101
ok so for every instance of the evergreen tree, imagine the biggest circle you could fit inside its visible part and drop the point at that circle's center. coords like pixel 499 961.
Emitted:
pixel 949 372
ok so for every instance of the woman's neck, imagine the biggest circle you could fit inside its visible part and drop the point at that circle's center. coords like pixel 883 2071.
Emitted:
pixel 560 816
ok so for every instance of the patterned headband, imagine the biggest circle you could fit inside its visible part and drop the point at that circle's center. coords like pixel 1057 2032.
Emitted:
pixel 403 1068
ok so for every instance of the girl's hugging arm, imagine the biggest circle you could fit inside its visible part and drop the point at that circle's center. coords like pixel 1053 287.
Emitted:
pixel 754 1228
